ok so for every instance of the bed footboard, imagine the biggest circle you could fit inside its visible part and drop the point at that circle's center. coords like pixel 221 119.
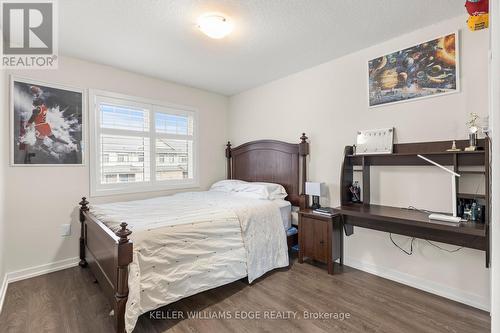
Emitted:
pixel 108 255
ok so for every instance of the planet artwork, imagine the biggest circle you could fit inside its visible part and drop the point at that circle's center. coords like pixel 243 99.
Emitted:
pixel 423 70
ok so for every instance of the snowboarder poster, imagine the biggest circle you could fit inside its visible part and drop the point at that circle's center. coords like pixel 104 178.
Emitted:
pixel 46 123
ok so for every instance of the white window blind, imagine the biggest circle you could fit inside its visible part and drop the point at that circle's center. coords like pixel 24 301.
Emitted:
pixel 141 146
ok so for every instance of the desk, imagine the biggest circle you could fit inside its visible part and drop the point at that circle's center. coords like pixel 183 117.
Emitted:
pixel 413 223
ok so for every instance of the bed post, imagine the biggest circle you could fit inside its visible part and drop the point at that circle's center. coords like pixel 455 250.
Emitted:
pixel 121 287
pixel 228 157
pixel 303 152
pixel 84 208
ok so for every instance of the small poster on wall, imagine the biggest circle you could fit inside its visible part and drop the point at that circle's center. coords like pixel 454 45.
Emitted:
pixel 46 124
pixel 424 70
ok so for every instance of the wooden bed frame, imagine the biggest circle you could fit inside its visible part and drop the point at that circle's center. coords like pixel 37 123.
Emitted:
pixel 108 254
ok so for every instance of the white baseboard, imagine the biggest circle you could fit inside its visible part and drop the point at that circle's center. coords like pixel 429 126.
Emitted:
pixel 34 271
pixel 457 295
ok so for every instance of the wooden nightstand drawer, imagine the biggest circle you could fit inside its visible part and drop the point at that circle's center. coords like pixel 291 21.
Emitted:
pixel 320 238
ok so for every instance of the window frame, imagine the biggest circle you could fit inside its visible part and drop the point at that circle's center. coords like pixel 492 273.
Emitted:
pixel 96 97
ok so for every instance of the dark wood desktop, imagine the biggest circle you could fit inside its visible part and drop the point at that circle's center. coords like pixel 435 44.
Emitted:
pixel 410 222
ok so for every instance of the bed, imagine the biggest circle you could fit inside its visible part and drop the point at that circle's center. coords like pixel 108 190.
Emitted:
pixel 176 246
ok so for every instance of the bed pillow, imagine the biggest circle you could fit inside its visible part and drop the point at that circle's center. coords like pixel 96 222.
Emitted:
pixel 252 190
pixel 228 185
pixel 266 191
pixel 251 195
pixel 276 191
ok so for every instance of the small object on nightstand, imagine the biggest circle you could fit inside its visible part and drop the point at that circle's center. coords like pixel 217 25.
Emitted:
pixel 314 189
pixel 326 211
pixel 453 147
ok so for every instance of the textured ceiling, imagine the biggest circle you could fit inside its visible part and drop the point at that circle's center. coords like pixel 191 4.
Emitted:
pixel 272 38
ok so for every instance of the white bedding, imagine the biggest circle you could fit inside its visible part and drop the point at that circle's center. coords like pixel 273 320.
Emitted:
pixel 191 242
pixel 286 212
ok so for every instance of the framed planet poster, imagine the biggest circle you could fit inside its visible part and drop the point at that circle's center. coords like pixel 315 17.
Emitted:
pixel 46 124
pixel 425 70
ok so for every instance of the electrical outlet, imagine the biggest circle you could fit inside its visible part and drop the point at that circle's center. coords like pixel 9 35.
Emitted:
pixel 65 230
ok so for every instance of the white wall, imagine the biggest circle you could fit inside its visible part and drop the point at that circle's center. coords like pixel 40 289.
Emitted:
pixel 40 199
pixel 329 103
pixel 495 164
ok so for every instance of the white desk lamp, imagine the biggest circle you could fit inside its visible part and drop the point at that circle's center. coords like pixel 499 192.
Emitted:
pixel 443 217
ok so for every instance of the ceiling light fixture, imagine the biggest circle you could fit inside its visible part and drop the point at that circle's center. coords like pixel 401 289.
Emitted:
pixel 215 25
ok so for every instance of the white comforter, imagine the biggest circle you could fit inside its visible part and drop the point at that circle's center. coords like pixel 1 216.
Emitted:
pixel 191 242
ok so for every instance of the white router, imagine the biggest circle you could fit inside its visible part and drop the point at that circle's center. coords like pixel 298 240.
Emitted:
pixel 443 217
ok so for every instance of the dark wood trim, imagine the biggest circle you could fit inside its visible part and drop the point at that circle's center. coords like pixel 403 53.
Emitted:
pixel 272 161
pixel 83 209
pixel 406 154
pixel 434 146
pixel 313 229
pixel 413 223
pixel 346 180
pixel 303 152
pixel 228 159
pixel 487 169
pixel 125 257
pixel 108 255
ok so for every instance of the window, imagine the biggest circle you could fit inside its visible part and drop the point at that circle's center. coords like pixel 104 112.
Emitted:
pixel 127 177
pixel 122 157
pixel 139 145
pixel 110 178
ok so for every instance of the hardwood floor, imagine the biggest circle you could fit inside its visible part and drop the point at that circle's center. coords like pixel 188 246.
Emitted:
pixel 68 301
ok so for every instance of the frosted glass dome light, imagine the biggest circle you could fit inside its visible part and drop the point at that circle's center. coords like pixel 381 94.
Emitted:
pixel 215 25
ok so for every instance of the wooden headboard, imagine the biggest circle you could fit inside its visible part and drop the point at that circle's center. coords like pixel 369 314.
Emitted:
pixel 273 162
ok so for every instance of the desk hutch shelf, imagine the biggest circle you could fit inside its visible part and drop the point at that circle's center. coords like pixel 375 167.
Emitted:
pixel 415 223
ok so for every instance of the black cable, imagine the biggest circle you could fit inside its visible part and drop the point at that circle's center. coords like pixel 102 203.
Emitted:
pixel 420 210
pixel 428 241
pixel 410 252
pixel 443 249
pixel 399 247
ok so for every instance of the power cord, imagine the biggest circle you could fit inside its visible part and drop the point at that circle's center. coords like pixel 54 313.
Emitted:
pixel 410 252
pixel 399 247
pixel 443 249
pixel 420 210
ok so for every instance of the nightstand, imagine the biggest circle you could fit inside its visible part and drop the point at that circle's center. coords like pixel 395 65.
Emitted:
pixel 320 238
